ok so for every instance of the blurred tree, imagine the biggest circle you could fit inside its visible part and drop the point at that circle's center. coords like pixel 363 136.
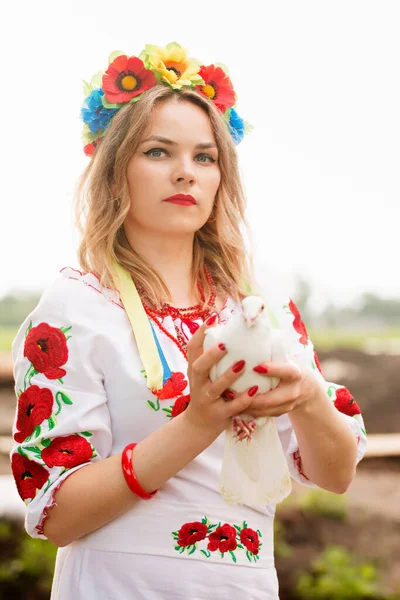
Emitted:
pixel 14 309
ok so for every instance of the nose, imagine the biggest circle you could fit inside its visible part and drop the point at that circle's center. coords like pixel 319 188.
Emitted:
pixel 184 171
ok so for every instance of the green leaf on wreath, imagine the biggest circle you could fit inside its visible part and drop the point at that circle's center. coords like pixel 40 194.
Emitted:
pixel 193 549
pixel 237 528
pixel 259 532
pixel 178 548
pixel 51 423
pixel 45 442
pixel 37 431
pixel 244 525
pixel 19 393
pixel 240 546
pixel 233 556
pixel 222 554
pixel 21 452
pixel 86 433
pixel 204 520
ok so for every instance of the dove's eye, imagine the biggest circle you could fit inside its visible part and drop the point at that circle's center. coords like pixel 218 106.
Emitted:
pixel 262 308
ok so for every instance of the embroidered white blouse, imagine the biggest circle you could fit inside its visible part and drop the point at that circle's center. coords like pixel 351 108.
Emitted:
pixel 82 397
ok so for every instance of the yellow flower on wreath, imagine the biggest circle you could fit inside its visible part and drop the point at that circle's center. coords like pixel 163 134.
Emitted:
pixel 172 65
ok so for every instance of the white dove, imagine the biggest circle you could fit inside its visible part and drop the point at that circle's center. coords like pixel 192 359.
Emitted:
pixel 254 469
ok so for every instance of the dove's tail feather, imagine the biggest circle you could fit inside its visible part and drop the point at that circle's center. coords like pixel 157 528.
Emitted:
pixel 255 472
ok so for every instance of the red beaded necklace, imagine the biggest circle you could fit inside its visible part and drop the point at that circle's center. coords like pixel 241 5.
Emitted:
pixel 188 314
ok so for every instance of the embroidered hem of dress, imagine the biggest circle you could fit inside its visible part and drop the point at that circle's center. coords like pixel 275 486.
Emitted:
pixel 155 531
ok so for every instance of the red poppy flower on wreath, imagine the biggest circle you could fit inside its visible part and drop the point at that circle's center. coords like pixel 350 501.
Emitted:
pixel 180 405
pixel 317 362
pixel 223 539
pixel 190 533
pixel 217 86
pixel 298 324
pixel 46 348
pixel 68 451
pixel 34 406
pixel 345 403
pixel 29 476
pixel 250 540
pixel 126 78
pixel 173 387
pixel 90 148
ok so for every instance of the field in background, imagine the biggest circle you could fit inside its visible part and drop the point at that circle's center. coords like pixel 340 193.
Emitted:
pixel 326 339
pixel 7 334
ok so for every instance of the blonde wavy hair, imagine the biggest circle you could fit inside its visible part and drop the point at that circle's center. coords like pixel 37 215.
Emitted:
pixel 102 202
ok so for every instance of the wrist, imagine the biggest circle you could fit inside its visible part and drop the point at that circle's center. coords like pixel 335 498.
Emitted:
pixel 207 432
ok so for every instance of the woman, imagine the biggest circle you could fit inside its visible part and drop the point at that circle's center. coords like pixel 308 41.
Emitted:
pixel 159 126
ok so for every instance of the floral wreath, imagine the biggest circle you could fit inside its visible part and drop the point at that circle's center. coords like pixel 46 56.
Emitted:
pixel 127 78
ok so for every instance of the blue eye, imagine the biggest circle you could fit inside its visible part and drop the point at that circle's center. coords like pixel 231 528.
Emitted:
pixel 151 153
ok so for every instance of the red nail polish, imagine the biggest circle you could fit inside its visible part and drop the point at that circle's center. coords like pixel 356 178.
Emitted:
pixel 229 394
pixel 238 366
pixel 211 320
pixel 221 347
pixel 253 390
pixel 260 369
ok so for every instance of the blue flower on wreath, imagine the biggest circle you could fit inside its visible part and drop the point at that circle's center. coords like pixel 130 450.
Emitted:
pixel 236 126
pixel 95 115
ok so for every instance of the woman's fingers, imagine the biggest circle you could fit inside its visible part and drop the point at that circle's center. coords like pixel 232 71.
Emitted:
pixel 196 342
pixel 286 371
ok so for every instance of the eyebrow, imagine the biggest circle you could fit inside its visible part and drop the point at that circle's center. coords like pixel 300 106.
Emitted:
pixel 164 140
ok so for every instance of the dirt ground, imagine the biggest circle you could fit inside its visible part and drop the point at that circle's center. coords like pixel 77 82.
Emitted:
pixel 373 525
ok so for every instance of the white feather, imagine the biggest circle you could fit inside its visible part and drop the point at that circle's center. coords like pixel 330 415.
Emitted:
pixel 253 471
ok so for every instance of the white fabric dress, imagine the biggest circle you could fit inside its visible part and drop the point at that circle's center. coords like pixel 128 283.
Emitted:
pixel 82 397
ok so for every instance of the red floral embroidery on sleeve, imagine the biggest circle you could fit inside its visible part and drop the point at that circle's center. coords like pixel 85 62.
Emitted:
pixel 68 451
pixel 34 406
pixel 299 465
pixel 298 324
pixel 29 476
pixel 317 362
pixel 46 348
pixel 345 402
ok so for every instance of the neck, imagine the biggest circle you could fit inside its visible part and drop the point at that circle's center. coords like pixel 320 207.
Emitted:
pixel 172 259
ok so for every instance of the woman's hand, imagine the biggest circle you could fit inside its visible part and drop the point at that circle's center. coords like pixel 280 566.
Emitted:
pixel 298 386
pixel 208 409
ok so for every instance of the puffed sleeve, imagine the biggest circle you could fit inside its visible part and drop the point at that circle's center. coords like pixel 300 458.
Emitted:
pixel 301 349
pixel 62 422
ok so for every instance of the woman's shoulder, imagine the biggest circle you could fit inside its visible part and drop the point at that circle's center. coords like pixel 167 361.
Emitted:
pixel 86 285
pixel 75 298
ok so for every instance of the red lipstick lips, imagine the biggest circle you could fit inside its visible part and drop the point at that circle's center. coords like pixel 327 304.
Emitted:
pixel 182 199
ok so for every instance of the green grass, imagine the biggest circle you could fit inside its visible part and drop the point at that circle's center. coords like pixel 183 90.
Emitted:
pixel 7 334
pixel 327 339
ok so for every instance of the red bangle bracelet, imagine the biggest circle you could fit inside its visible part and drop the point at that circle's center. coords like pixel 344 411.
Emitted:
pixel 129 474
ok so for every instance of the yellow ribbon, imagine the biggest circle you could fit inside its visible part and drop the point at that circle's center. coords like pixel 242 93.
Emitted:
pixel 141 327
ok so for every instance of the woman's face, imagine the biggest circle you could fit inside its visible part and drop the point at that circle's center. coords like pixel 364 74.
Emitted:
pixel 185 161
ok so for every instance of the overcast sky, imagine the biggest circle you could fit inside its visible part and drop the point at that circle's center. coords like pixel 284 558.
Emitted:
pixel 320 82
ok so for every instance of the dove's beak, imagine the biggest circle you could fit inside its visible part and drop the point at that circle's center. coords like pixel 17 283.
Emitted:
pixel 249 322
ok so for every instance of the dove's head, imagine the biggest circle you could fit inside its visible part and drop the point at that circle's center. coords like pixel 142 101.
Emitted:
pixel 253 309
